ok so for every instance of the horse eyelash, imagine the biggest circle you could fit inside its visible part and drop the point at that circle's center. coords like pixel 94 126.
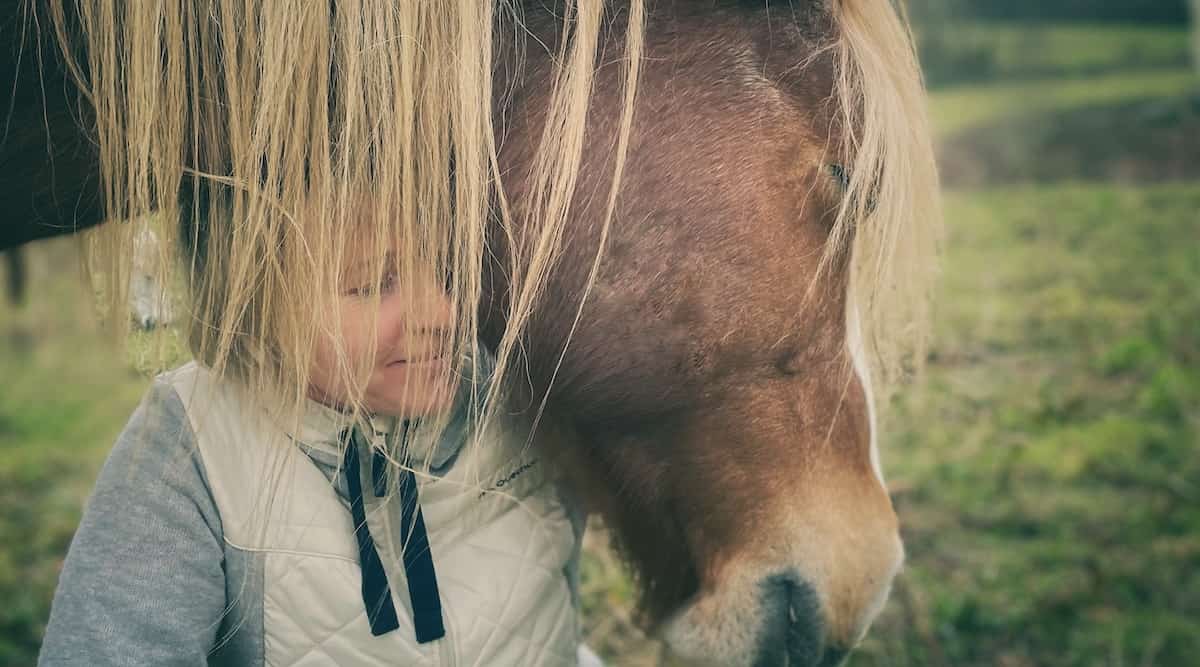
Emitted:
pixel 841 174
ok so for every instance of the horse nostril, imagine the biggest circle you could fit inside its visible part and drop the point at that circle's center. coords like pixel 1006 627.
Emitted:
pixel 793 631
pixel 805 628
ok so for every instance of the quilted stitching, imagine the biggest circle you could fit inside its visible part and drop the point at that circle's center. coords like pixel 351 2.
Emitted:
pixel 531 623
pixel 511 635
pixel 313 641
pixel 505 592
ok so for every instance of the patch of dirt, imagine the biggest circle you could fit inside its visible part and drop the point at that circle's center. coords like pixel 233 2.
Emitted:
pixel 1145 141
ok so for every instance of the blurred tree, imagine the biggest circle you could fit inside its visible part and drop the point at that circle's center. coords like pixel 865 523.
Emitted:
pixel 1124 11
pixel 1196 34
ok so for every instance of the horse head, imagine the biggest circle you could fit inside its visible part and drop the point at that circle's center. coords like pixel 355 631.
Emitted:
pixel 714 401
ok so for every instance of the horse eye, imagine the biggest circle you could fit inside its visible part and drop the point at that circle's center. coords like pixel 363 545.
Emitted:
pixel 841 175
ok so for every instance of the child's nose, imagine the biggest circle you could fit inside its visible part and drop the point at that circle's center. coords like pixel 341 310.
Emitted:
pixel 432 311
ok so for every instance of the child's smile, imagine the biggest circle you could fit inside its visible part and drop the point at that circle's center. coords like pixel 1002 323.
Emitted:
pixel 411 372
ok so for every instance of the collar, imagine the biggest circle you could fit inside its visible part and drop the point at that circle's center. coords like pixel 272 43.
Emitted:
pixel 321 426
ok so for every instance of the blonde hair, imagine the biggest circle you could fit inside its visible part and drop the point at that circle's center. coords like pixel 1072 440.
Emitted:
pixel 279 115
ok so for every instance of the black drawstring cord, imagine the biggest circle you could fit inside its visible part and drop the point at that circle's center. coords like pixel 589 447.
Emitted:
pixel 376 594
pixel 418 559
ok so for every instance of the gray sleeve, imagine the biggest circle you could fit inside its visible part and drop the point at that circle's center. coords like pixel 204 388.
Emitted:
pixel 143 582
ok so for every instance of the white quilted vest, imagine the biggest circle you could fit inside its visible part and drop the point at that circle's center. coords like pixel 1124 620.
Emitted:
pixel 499 555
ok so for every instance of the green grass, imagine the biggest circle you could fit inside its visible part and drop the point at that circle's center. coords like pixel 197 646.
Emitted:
pixel 1009 70
pixel 1048 476
pixel 963 107
pixel 955 52
pixel 67 392
pixel 1047 473
pixel 1018 50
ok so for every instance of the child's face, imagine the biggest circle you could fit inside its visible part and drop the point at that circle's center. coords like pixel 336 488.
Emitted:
pixel 408 374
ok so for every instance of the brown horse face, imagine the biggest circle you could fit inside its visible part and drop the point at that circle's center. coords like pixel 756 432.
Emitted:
pixel 717 412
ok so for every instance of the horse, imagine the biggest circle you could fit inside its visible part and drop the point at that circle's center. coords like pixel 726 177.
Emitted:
pixel 51 182
pixel 742 263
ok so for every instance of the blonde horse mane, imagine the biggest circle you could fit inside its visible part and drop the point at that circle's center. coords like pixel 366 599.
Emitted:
pixel 891 214
pixel 305 130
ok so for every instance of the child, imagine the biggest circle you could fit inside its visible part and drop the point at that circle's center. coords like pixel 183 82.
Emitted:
pixel 221 531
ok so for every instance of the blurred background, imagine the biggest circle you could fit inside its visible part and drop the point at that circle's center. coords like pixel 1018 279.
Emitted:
pixel 1047 467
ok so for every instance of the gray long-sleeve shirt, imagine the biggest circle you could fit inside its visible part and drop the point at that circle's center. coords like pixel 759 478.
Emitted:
pixel 148 579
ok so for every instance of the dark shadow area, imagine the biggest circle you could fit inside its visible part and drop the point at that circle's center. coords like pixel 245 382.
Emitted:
pixel 1145 141
pixel 955 65
pixel 1109 11
pixel 1141 12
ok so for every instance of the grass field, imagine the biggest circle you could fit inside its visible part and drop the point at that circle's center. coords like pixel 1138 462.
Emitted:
pixel 964 107
pixel 1048 475
pixel 66 394
pixel 1047 471
pixel 965 52
pixel 1023 51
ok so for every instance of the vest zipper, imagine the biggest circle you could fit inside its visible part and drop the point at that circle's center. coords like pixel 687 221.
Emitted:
pixel 446 653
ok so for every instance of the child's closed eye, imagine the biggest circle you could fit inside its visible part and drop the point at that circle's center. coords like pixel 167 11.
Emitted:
pixel 386 285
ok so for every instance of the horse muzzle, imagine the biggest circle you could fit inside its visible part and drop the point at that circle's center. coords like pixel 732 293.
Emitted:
pixel 802 612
